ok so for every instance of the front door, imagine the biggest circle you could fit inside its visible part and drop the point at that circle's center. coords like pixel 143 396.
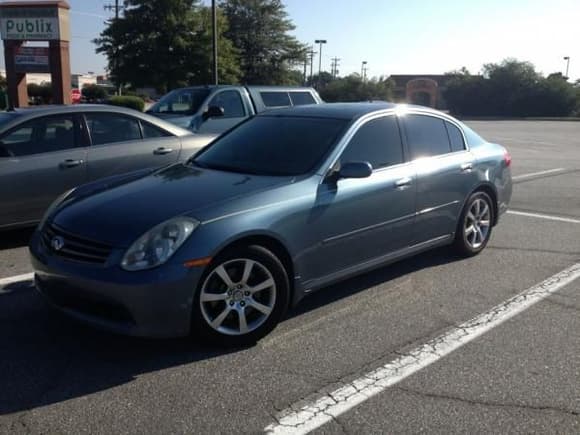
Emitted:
pixel 41 159
pixel 360 220
pixel 234 113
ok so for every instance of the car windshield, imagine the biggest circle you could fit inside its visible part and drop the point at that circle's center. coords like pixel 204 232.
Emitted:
pixel 181 101
pixel 273 145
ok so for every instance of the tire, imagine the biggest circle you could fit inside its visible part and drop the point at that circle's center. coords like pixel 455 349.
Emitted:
pixel 242 296
pixel 471 242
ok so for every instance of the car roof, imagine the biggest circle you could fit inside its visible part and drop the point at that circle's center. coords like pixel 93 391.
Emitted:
pixel 348 111
pixel 26 113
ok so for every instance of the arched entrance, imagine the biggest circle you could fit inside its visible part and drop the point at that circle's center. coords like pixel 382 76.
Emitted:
pixel 422 92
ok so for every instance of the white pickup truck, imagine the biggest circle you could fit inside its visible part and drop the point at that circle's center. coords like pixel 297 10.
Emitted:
pixel 215 109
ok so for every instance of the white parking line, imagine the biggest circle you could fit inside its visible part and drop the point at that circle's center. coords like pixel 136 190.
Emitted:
pixel 535 174
pixel 301 419
pixel 544 216
pixel 17 278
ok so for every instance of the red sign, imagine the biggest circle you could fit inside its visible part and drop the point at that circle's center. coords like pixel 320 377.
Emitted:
pixel 75 96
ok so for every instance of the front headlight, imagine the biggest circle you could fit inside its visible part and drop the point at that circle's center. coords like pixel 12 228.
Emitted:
pixel 157 245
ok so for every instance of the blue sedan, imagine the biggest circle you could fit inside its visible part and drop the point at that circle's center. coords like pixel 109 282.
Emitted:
pixel 286 203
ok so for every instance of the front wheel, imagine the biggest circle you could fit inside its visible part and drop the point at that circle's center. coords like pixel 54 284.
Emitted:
pixel 241 298
pixel 474 226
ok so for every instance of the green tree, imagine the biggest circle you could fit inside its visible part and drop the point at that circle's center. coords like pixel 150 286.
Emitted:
pixel 93 92
pixel 509 88
pixel 164 44
pixel 40 94
pixel 259 29
pixel 352 88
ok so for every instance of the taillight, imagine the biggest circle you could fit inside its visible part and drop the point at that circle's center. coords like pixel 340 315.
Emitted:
pixel 507 159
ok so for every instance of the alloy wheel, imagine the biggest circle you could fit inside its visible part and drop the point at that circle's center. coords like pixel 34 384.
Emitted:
pixel 477 223
pixel 238 296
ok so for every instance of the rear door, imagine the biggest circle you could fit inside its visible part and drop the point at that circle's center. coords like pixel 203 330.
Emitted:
pixel 230 101
pixel 445 175
pixel 46 158
pixel 121 143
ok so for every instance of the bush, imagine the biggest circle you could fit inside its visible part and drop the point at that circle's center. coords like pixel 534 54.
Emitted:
pixel 128 101
pixel 94 92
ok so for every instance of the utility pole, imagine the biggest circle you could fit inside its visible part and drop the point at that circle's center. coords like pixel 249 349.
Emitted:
pixel 116 7
pixel 334 66
pixel 311 54
pixel 319 42
pixel 214 42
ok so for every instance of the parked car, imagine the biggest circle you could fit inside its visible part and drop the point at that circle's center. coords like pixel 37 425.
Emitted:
pixel 46 151
pixel 215 109
pixel 286 203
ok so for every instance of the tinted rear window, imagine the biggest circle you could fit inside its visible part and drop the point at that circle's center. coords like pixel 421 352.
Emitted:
pixel 302 98
pixel 275 99
pixel 427 136
pixel 455 137
pixel 273 146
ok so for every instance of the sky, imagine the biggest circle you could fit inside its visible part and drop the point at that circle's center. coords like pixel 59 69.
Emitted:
pixel 401 36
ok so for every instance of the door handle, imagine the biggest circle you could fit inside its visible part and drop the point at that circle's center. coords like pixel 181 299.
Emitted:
pixel 466 167
pixel 162 151
pixel 403 182
pixel 70 163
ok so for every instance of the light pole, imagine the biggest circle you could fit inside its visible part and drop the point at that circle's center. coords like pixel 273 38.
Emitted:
pixel 362 69
pixel 567 59
pixel 319 42
pixel 214 42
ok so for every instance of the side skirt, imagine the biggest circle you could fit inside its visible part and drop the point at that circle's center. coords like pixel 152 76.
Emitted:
pixel 383 260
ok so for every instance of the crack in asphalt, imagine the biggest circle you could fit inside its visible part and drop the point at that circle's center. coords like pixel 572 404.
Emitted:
pixel 478 402
pixel 299 415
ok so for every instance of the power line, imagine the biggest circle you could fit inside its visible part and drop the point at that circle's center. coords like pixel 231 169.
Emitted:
pixel 114 7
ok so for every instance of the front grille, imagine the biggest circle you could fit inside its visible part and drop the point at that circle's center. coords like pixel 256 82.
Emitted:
pixel 74 247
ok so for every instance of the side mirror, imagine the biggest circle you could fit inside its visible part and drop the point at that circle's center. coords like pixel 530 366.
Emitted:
pixel 213 112
pixel 355 170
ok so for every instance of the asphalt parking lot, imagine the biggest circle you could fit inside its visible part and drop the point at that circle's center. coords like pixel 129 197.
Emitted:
pixel 519 376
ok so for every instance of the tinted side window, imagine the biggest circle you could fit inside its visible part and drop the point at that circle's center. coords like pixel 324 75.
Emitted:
pixel 110 128
pixel 302 98
pixel 42 135
pixel 427 136
pixel 377 142
pixel 455 137
pixel 152 131
pixel 275 99
pixel 231 102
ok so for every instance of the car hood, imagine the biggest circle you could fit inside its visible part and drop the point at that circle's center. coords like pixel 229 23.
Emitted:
pixel 118 213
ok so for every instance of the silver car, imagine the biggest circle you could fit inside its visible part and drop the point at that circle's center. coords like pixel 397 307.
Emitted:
pixel 49 150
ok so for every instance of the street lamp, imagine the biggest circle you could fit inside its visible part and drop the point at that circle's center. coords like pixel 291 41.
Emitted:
pixel 319 42
pixel 214 42
pixel 567 59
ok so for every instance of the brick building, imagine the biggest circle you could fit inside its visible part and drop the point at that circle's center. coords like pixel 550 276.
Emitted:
pixel 422 89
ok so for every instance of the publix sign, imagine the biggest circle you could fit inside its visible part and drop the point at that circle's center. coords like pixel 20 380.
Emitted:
pixel 30 24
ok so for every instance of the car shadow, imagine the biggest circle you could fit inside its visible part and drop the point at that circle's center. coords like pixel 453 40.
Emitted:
pixel 15 238
pixel 47 358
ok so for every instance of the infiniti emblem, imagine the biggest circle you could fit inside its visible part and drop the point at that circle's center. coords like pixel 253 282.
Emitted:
pixel 57 243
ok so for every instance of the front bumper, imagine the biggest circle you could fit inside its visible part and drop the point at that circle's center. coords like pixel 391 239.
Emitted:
pixel 149 303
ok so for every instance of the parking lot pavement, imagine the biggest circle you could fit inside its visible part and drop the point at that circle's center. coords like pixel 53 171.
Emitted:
pixel 523 376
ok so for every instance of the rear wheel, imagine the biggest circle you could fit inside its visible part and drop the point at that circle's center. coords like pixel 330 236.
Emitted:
pixel 475 225
pixel 241 298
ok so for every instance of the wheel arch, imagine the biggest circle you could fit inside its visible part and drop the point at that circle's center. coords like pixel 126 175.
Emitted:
pixel 271 243
pixel 491 191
